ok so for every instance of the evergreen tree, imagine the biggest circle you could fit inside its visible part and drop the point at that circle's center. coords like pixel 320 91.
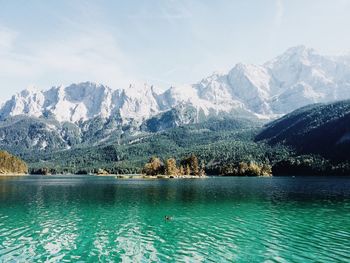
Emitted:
pixel 170 167
pixel 194 164
pixel 202 169
pixel 187 170
pixel 181 170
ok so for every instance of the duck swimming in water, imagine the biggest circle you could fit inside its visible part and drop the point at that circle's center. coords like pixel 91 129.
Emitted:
pixel 167 218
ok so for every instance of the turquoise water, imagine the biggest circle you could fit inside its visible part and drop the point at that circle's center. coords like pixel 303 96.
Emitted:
pixel 91 219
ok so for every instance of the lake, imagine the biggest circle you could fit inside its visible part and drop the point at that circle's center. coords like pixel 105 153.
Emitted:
pixel 87 218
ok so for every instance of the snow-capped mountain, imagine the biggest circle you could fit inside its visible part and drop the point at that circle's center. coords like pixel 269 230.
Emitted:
pixel 81 102
pixel 298 77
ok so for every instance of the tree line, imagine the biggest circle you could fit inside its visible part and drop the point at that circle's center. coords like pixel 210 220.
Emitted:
pixel 11 164
pixel 187 166
pixel 242 169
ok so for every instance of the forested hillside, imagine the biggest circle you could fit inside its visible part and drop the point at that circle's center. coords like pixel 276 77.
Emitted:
pixel 312 140
pixel 322 129
pixel 11 164
pixel 216 142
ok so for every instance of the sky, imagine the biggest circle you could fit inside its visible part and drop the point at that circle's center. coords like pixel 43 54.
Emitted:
pixel 162 43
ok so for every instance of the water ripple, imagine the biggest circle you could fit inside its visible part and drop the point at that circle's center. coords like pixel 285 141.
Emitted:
pixel 237 220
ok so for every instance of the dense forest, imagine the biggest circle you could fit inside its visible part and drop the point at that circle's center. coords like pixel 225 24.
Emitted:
pixel 311 140
pixel 187 166
pixel 319 135
pixel 322 129
pixel 216 143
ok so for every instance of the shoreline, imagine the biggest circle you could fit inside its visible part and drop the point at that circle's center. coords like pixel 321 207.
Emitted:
pixel 13 174
pixel 154 177
pixel 142 176
pixel 117 176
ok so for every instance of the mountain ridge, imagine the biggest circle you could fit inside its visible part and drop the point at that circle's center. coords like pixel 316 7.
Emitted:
pixel 321 129
pixel 87 113
pixel 298 77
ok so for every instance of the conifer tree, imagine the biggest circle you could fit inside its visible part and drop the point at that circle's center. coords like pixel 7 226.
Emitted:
pixel 170 167
pixel 181 170
pixel 194 164
pixel 187 170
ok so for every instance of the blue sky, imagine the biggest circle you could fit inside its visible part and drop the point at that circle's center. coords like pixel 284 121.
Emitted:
pixel 48 43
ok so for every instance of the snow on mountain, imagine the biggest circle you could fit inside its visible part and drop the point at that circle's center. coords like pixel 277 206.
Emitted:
pixel 81 102
pixel 303 77
pixel 298 77
pixel 137 103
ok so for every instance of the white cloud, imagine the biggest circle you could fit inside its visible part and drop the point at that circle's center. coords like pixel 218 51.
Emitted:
pixel 87 56
pixel 97 56
pixel 7 38
pixel 274 28
pixel 169 11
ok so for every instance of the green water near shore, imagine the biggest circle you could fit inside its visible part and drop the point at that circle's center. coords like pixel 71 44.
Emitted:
pixel 91 219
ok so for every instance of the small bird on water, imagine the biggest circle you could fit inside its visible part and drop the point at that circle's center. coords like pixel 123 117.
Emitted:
pixel 167 218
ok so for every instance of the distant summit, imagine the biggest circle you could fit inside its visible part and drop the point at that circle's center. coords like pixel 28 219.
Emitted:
pixel 298 77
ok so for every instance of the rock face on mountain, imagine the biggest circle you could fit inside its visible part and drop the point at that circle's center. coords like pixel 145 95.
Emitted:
pixel 294 79
pixel 81 102
pixel 93 112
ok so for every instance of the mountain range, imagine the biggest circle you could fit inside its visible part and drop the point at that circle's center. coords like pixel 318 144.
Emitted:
pixel 87 113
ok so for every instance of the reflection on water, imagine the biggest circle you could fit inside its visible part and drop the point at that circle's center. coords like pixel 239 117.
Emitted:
pixel 216 219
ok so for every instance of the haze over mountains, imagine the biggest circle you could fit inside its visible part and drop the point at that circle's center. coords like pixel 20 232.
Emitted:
pixel 91 114
pixel 298 77
pixel 221 119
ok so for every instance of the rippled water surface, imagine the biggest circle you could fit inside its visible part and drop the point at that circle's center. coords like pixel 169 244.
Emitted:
pixel 301 219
